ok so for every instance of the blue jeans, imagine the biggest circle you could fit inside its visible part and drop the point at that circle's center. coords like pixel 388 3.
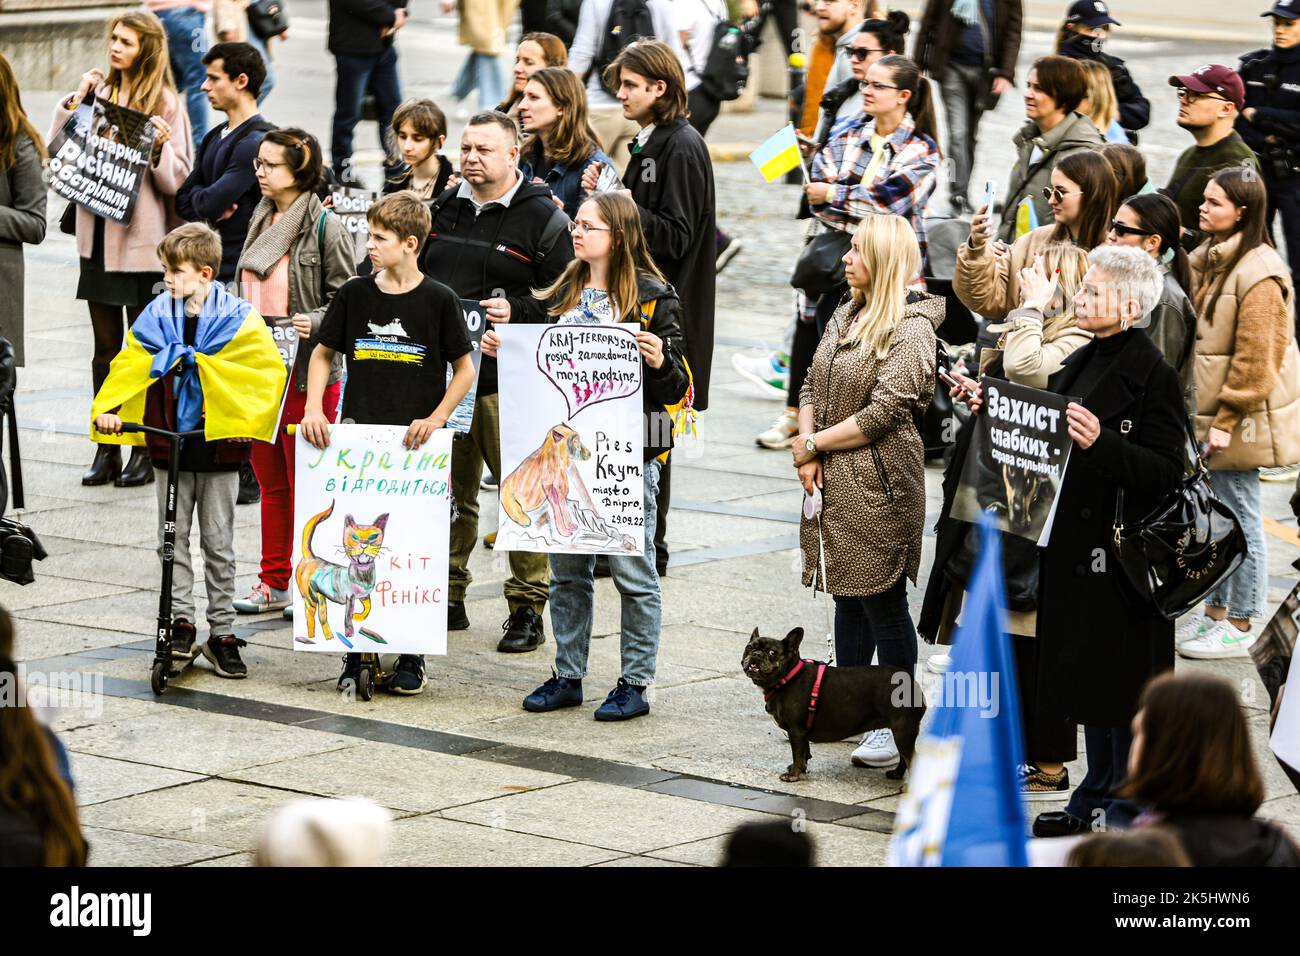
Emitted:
pixel 356 75
pixel 483 73
pixel 881 622
pixel 573 600
pixel 268 84
pixel 187 41
pixel 1245 592
pixel 1107 749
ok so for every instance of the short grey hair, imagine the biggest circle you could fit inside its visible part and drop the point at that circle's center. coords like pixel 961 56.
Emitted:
pixel 1131 273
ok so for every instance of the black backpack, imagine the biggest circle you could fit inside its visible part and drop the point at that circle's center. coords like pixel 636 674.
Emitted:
pixel 628 20
pixel 726 71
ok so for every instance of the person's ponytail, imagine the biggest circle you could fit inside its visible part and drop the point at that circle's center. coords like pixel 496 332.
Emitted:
pixel 907 76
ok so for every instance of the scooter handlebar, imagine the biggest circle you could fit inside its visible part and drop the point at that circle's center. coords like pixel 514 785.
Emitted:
pixel 129 427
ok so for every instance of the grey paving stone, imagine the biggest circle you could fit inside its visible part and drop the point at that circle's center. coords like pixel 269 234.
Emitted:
pixel 399 777
pixel 199 742
pixel 100 779
pixel 833 846
pixel 434 841
pixel 111 847
pixel 597 814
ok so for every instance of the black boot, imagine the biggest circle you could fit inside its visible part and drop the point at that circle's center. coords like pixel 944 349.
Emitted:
pixel 138 471
pixel 106 466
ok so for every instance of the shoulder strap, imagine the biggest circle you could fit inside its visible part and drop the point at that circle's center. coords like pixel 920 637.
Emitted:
pixel 320 245
pixel 15 460
pixel 647 313
pixel 558 222
pixel 261 126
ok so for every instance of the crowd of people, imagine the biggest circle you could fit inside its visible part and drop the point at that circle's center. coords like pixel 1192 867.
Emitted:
pixel 583 192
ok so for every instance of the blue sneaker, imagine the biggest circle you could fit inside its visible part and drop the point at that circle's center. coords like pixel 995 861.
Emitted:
pixel 624 702
pixel 555 693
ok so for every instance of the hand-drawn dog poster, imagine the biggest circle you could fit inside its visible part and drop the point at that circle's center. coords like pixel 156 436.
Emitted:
pixel 475 326
pixel 100 157
pixel 351 206
pixel 370 542
pixel 1017 459
pixel 571 439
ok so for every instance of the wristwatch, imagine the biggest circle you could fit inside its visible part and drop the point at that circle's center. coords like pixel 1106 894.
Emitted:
pixel 810 444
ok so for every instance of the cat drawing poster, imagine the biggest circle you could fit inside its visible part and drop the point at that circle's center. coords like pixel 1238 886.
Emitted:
pixel 571 439
pixel 371 538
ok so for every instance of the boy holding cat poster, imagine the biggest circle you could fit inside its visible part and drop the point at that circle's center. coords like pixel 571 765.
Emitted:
pixel 231 386
pixel 399 330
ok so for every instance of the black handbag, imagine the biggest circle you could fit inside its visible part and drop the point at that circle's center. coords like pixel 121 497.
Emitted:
pixel 19 545
pixel 1185 547
pixel 268 18
pixel 820 266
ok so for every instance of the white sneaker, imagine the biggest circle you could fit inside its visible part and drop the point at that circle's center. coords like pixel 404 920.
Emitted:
pixel 771 377
pixel 782 433
pixel 876 750
pixel 1221 640
pixel 938 663
pixel 1193 627
pixel 263 598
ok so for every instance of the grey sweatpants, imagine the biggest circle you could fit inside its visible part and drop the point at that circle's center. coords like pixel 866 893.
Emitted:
pixel 213 494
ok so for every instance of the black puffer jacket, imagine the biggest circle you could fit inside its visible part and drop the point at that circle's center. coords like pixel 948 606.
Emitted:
pixel 668 384
pixel 1134 109
pixel 356 26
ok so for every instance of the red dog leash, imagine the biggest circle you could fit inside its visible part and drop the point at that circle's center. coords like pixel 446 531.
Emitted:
pixel 816 688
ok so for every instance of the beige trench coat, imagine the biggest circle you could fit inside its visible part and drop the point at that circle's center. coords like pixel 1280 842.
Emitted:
pixel 873 497
pixel 483 24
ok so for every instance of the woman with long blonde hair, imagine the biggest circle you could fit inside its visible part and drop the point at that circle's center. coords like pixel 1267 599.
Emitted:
pixel 22 202
pixel 613 279
pixel 120 271
pixel 1100 105
pixel 861 459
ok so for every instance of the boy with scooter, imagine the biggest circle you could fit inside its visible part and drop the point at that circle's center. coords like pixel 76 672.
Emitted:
pixel 198 357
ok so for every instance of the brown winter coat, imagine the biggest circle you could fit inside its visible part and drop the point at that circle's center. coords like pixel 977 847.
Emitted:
pixel 989 285
pixel 1247 366
pixel 483 24
pixel 873 507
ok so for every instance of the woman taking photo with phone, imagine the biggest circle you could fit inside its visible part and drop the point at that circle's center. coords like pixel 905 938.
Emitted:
pixel 120 271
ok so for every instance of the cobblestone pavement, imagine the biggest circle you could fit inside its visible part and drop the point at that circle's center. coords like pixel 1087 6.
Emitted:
pixel 473 779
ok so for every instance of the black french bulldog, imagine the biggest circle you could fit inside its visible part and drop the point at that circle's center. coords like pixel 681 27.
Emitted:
pixel 851 700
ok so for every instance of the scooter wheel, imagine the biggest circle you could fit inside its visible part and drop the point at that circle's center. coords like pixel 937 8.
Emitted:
pixel 158 677
pixel 366 683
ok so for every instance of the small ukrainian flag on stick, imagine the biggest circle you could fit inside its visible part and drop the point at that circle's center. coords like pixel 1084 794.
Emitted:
pixel 779 155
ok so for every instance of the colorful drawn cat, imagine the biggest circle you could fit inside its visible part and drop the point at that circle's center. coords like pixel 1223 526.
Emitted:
pixel 321 581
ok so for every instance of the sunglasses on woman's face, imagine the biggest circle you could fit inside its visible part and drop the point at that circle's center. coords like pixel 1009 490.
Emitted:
pixel 1057 194
pixel 1120 229
pixel 861 52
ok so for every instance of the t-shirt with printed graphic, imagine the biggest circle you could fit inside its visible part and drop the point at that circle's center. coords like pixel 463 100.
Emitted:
pixel 397 346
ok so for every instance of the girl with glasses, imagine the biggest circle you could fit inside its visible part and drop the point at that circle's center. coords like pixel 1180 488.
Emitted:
pixel 613 279
pixel 1082 196
pixel 1150 222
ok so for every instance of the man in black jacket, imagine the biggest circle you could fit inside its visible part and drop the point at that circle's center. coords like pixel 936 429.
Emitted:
pixel 222 189
pixel 1270 121
pixel 495 238
pixel 361 38
pixel 974 63
pixel 670 176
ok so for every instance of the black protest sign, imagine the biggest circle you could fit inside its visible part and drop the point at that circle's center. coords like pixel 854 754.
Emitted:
pixel 475 325
pixel 1017 459
pixel 287 341
pixel 100 157
pixel 351 206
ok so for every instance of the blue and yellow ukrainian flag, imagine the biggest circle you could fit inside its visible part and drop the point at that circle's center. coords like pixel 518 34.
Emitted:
pixel 231 380
pixel 1026 217
pixel 778 155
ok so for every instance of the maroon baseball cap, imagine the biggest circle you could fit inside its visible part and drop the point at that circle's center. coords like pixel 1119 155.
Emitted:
pixel 1216 79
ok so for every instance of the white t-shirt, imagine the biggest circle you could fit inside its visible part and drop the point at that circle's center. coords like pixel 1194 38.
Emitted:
pixel 697 18
pixel 592 17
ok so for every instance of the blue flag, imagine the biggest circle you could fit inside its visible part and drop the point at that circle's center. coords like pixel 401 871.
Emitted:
pixel 962 806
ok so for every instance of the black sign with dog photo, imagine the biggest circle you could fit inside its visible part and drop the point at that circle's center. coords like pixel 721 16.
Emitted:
pixel 1017 460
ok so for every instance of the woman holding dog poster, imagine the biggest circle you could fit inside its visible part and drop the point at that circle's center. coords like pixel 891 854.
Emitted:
pixel 861 458
pixel 120 272
pixel 613 279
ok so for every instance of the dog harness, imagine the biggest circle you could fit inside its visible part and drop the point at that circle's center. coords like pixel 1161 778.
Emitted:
pixel 816 688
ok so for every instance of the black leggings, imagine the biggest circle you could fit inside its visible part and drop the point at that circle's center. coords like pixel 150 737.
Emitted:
pixel 806 340
pixel 106 322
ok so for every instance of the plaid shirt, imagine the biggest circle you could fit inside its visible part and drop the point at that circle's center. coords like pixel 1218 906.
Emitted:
pixel 904 181
pixel 903 185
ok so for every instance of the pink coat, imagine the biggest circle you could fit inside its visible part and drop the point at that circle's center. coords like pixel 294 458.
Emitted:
pixel 131 249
